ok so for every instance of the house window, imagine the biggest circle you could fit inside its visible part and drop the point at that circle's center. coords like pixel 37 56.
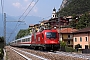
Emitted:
pixel 53 15
pixel 69 42
pixel 75 39
pixel 80 39
pixel 86 39
pixel 68 36
pixel 86 46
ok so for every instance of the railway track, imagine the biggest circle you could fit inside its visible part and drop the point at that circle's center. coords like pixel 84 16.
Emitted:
pixel 22 55
pixel 27 55
pixel 71 54
pixel 83 56
pixel 39 55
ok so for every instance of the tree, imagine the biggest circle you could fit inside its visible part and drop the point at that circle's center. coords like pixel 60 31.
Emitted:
pixel 1 47
pixel 75 7
pixel 1 39
pixel 77 46
pixel 62 45
pixel 73 22
pixel 23 33
pixel 84 21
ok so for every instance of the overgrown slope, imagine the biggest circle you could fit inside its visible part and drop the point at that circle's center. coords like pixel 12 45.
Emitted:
pixel 75 7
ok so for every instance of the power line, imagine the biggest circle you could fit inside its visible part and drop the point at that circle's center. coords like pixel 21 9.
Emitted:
pixel 31 9
pixel 23 18
pixel 23 14
pixel 19 19
pixel 26 9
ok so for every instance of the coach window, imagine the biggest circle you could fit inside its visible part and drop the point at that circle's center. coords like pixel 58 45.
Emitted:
pixel 28 39
pixel 23 40
pixel 15 41
pixel 18 41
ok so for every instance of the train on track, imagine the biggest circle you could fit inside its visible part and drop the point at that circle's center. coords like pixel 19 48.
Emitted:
pixel 45 40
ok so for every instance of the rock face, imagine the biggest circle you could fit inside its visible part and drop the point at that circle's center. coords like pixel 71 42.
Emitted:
pixel 65 3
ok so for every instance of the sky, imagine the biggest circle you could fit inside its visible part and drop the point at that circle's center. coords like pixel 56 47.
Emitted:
pixel 42 9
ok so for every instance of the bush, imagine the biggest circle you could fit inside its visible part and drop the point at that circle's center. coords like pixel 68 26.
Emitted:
pixel 69 49
pixel 62 44
pixel 1 53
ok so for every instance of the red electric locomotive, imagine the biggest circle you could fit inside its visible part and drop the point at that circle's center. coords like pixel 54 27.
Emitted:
pixel 47 39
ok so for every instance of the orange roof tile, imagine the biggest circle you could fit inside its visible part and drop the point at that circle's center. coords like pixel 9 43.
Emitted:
pixel 31 25
pixel 44 21
pixel 68 30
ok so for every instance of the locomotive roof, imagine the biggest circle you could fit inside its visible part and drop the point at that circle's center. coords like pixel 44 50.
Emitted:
pixel 50 30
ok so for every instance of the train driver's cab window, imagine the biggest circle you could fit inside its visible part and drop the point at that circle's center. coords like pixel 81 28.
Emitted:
pixel 51 35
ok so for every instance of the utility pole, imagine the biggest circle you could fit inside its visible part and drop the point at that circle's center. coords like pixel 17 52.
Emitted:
pixel 4 29
pixel 59 26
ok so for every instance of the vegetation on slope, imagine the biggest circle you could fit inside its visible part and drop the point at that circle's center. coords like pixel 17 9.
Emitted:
pixel 75 7
pixel 83 22
pixel 23 33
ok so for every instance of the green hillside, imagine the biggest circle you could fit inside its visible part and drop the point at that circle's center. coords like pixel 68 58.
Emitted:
pixel 22 33
pixel 75 7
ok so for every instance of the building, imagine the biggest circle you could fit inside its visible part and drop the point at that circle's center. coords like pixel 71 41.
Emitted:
pixel 36 27
pixel 30 28
pixel 66 35
pixel 44 24
pixel 54 15
pixel 82 37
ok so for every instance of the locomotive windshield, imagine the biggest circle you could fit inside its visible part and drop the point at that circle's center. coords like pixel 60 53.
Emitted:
pixel 51 35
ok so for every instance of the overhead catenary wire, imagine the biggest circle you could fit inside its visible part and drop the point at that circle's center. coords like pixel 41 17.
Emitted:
pixel 26 9
pixel 22 19
pixel 31 9
pixel 23 14
pixel 19 20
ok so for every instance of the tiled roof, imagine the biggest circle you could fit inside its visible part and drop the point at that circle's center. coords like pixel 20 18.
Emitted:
pixel 31 25
pixel 36 24
pixel 68 30
pixel 83 30
pixel 44 21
